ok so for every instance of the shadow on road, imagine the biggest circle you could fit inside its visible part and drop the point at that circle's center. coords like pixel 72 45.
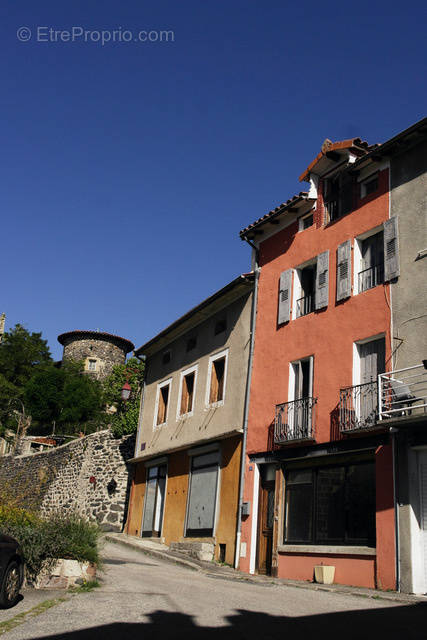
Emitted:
pixel 403 623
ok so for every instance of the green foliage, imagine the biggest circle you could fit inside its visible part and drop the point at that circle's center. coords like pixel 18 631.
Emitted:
pixel 20 352
pixel 64 396
pixel 44 540
pixel 125 418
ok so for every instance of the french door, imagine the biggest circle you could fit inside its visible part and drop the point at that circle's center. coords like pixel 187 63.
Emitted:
pixel 154 501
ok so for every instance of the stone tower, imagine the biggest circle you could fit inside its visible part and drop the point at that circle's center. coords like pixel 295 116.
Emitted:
pixel 99 351
pixel 2 321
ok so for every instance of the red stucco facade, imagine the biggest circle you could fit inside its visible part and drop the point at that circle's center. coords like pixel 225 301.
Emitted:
pixel 328 336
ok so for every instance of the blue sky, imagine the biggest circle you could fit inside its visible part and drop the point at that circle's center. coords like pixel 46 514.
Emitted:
pixel 128 169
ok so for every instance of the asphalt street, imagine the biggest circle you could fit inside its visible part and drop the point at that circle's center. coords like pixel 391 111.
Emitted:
pixel 142 597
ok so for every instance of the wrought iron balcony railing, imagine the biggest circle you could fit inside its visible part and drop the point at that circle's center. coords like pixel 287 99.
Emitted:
pixel 371 277
pixel 305 305
pixel 294 420
pixel 359 407
pixel 403 392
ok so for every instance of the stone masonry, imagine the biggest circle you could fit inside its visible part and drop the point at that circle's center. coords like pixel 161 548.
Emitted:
pixel 89 476
pixel 99 351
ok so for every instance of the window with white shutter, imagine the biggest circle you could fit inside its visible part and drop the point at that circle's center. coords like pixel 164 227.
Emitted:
pixel 322 280
pixel 344 270
pixel 391 249
pixel 284 309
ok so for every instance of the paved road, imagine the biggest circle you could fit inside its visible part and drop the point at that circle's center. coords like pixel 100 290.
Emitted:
pixel 143 598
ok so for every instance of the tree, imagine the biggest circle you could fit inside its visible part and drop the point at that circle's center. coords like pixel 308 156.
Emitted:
pixel 64 400
pixel 20 353
pixel 123 417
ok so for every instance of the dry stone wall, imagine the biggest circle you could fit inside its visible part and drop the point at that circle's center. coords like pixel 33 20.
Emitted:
pixel 90 476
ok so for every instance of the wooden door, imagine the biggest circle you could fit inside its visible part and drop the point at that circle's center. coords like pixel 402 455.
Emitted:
pixel 265 526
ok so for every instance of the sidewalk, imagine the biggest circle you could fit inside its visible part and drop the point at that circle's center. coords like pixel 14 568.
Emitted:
pixel 214 570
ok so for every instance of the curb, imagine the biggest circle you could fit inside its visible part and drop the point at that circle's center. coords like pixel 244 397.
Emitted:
pixel 160 555
pixel 269 582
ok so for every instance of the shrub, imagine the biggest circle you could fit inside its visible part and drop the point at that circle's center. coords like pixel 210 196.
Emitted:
pixel 44 540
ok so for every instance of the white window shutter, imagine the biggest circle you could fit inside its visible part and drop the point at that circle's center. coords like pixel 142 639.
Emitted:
pixel 344 270
pixel 391 249
pixel 322 280
pixel 285 296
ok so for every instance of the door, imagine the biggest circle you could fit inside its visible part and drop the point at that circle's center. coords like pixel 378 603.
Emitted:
pixel 300 417
pixel 265 522
pixel 423 512
pixel 154 502
pixel 203 495
pixel 372 363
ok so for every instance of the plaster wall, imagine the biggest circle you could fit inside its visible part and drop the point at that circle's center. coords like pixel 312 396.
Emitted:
pixel 205 422
pixel 409 291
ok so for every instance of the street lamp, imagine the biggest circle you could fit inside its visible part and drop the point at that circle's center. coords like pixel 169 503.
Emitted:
pixel 126 391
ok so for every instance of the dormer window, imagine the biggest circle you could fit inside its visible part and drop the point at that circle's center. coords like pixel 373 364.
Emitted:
pixel 337 196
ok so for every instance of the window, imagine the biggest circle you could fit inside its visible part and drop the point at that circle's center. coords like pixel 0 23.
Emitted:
pixel 305 222
pixel 202 495
pixel 369 362
pixel 191 343
pixel 166 357
pixel 307 281
pixel 370 272
pixel 220 326
pixel 187 391
pixel 299 418
pixel 92 365
pixel 337 196
pixel 331 505
pixel 217 378
pixel 162 402
pixel 368 186
pixel 311 285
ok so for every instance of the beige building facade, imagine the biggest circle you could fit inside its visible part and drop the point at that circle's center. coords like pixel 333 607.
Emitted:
pixel 188 451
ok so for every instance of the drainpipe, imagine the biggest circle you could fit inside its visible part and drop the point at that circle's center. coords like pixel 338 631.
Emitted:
pixel 394 432
pixel 246 407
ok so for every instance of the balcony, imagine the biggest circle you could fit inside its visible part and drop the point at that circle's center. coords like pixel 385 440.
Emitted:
pixel 294 421
pixel 305 305
pixel 359 407
pixel 370 278
pixel 403 392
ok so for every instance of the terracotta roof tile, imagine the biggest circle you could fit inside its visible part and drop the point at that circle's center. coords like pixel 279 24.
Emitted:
pixel 302 195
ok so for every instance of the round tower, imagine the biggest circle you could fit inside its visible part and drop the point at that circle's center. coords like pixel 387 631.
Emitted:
pixel 98 351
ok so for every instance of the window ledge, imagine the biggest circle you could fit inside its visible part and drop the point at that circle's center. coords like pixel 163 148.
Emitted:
pixel 341 550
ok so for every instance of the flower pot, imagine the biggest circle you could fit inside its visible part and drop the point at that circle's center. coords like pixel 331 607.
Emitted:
pixel 324 574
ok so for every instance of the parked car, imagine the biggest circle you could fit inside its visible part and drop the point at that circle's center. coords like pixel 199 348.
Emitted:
pixel 11 571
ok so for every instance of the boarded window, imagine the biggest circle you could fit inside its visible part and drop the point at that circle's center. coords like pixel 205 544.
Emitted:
pixel 187 393
pixel 162 410
pixel 202 499
pixel 217 380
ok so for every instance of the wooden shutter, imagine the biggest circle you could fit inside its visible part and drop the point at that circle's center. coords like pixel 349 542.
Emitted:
pixel 344 270
pixel 391 249
pixel 322 280
pixel 285 296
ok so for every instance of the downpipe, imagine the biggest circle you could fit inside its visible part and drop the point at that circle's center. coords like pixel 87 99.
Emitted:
pixel 246 413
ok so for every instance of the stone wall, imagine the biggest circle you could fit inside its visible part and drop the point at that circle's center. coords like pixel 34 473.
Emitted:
pixel 106 353
pixel 89 476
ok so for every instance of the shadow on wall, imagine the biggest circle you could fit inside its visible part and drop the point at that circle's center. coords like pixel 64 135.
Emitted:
pixel 391 622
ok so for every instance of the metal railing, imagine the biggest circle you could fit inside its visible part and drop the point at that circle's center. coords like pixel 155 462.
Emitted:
pixel 332 208
pixel 305 305
pixel 371 277
pixel 403 392
pixel 359 407
pixel 294 420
